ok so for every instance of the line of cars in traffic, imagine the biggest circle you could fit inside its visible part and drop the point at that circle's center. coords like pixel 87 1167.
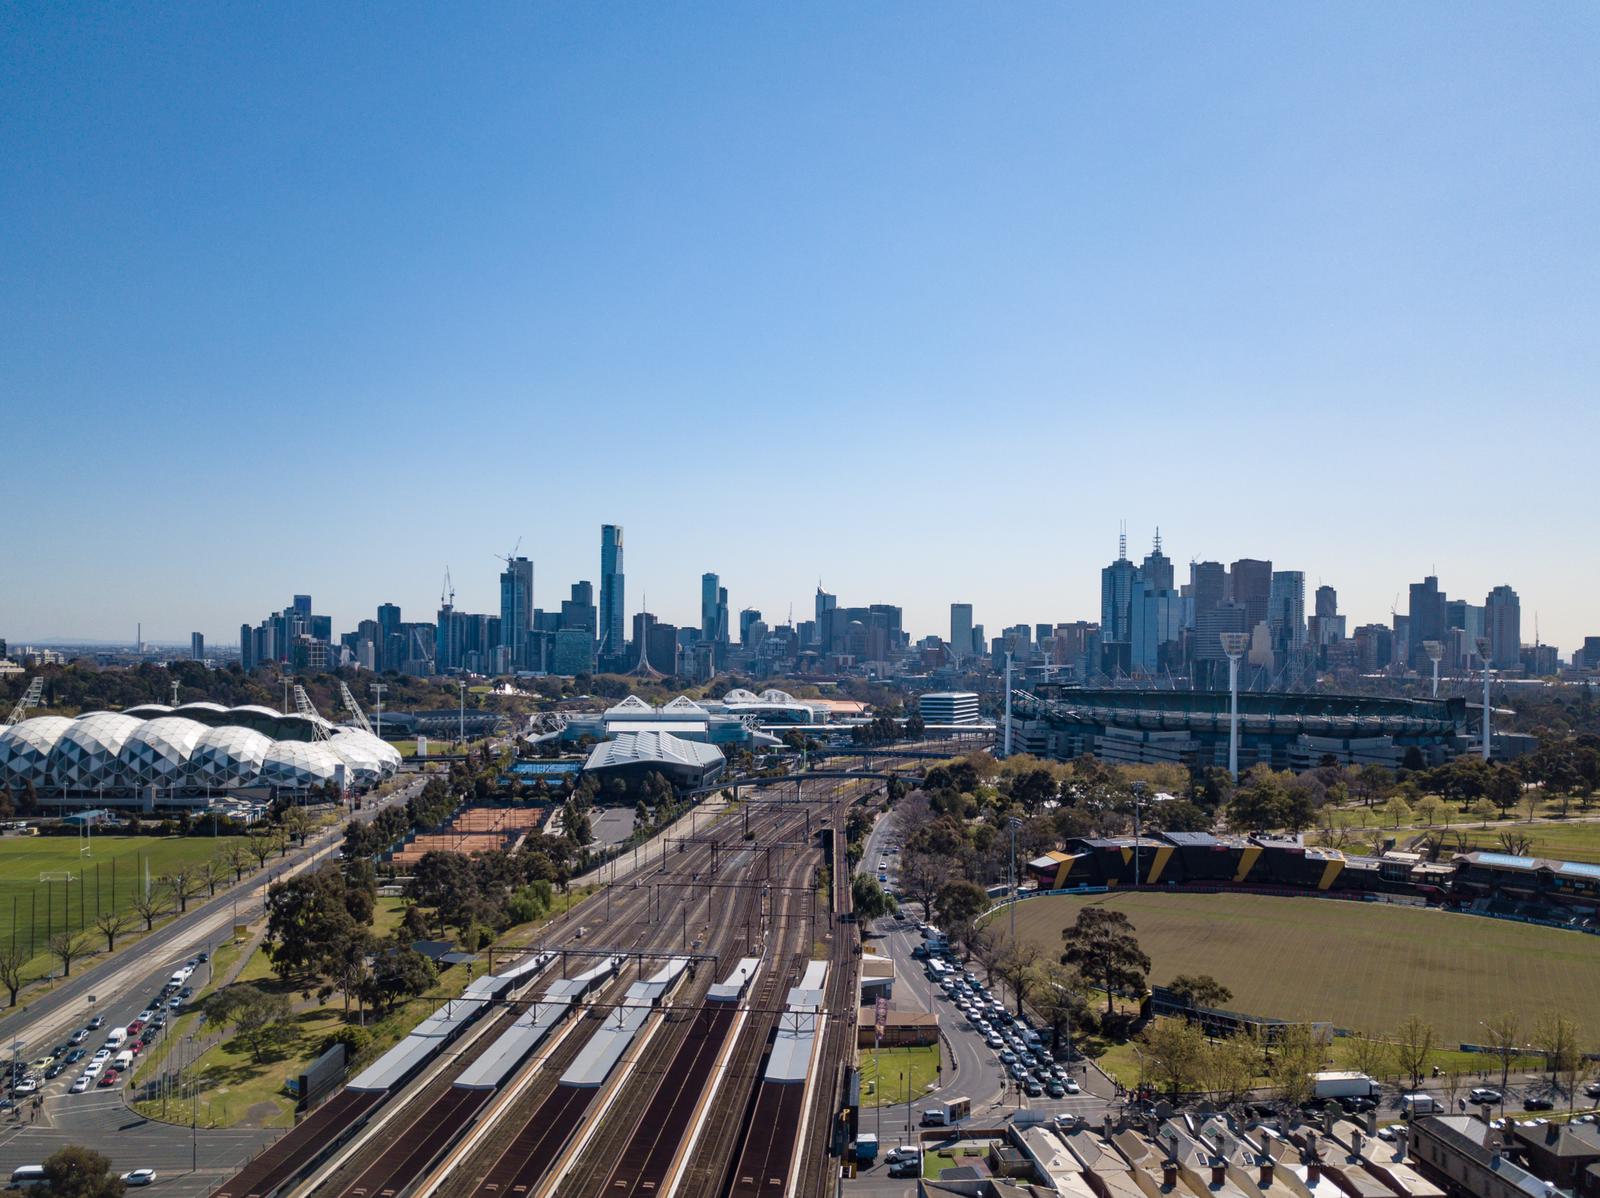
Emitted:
pixel 112 1060
pixel 1020 1047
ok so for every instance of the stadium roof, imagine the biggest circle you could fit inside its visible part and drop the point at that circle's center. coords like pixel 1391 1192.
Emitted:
pixel 634 748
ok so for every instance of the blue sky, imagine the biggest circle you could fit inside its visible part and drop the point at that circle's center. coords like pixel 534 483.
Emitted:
pixel 919 299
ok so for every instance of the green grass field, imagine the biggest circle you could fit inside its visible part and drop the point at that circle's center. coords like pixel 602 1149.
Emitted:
pixel 887 1073
pixel 1570 841
pixel 105 879
pixel 1361 966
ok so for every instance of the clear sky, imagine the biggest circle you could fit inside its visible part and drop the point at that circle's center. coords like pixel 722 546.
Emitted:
pixel 921 299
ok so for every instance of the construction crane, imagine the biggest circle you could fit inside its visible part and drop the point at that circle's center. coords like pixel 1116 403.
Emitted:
pixel 303 704
pixel 448 588
pixel 355 708
pixel 30 698
pixel 510 557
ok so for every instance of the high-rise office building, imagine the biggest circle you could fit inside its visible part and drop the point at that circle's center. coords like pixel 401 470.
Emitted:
pixel 747 617
pixel 1209 583
pixel 1116 597
pixel 1502 618
pixel 1286 614
pixel 709 585
pixel 825 604
pixel 197 646
pixel 1427 620
pixel 961 630
pixel 1252 587
pixel 1157 567
pixel 302 606
pixel 1327 602
pixel 611 591
pixel 516 608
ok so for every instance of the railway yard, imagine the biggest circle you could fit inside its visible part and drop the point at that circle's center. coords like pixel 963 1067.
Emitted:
pixel 682 1033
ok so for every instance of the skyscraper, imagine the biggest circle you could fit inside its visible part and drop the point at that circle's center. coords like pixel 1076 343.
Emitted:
pixel 611 590
pixel 709 583
pixel 1427 619
pixel 1502 619
pixel 1116 596
pixel 516 608
pixel 1327 602
pixel 1157 567
pixel 302 606
pixel 1286 617
pixel 961 630
pixel 197 646
pixel 1252 586
pixel 748 617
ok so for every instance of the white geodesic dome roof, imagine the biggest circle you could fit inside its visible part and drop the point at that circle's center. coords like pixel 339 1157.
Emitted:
pixel 362 754
pixel 299 764
pixel 25 750
pixel 159 751
pixel 229 756
pixel 87 753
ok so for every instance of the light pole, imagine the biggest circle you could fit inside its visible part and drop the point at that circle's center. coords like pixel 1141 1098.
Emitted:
pixel 462 684
pixel 1434 650
pixel 1234 644
pixel 1138 789
pixel 1006 747
pixel 1483 653
pixel 1014 823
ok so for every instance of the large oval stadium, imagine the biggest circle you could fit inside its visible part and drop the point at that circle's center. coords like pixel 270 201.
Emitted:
pixel 170 754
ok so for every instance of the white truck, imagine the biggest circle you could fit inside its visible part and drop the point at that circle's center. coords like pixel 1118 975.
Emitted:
pixel 947 1114
pixel 1343 1084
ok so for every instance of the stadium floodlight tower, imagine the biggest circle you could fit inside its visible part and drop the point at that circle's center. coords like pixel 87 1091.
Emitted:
pixel 1483 656
pixel 1234 644
pixel 1434 650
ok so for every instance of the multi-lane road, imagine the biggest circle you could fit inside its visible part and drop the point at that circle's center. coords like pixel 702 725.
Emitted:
pixel 189 1161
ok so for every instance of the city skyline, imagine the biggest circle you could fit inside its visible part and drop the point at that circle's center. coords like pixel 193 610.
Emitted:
pixel 1313 273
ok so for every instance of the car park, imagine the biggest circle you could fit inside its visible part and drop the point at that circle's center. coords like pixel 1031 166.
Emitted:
pixel 139 1177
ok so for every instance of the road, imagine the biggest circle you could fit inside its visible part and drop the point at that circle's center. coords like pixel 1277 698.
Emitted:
pixel 100 1118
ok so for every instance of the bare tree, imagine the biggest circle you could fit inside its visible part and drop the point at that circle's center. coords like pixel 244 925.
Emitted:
pixel 68 947
pixel 12 960
pixel 1505 1039
pixel 213 873
pixel 112 924
pixel 150 907
pixel 185 883
pixel 1016 967
pixel 1371 1055
pixel 238 858
pixel 1413 1044
pixel 1557 1038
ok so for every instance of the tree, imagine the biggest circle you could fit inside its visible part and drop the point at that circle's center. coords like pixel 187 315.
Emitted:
pixel 867 897
pixel 1516 844
pixel 112 924
pixel 1174 1051
pixel 1015 965
pixel 261 846
pixel 185 883
pixel 960 902
pixel 259 1018
pixel 1058 998
pixel 238 858
pixel 1483 811
pixel 1102 945
pixel 213 873
pixel 1293 1059
pixel 68 947
pixel 923 875
pixel 1397 809
pixel 12 959
pixel 1428 808
pixel 446 882
pixel 308 921
pixel 1231 1065
pixel 1556 1036
pixel 1199 990
pixel 150 907
pixel 74 1172
pixel 1413 1044
pixel 1505 1040
pixel 400 974
pixel 1503 787
pixel 1371 1055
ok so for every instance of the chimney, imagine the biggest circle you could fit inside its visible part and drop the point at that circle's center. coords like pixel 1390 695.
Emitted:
pixel 1552 1133
pixel 1169 1175
pixel 1355 1143
pixel 1219 1172
pixel 1266 1172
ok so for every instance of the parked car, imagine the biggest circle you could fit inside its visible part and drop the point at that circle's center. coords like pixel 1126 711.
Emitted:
pixel 110 1077
pixel 101 1055
pixel 80 1083
pixel 139 1177
pixel 1484 1096
pixel 1034 1089
pixel 26 1086
pixel 1055 1089
pixel 1537 1104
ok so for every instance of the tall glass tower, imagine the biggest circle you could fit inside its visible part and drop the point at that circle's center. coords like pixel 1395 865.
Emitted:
pixel 611 589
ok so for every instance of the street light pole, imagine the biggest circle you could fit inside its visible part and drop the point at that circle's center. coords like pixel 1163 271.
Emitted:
pixel 1483 652
pixel 1014 824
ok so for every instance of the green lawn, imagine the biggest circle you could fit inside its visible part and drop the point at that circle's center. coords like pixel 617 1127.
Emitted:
pixel 102 880
pixel 1569 841
pixel 887 1073
pixel 1361 966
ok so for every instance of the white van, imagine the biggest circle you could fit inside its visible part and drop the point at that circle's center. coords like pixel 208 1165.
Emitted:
pixel 1413 1105
pixel 123 1060
pixel 29 1175
pixel 115 1037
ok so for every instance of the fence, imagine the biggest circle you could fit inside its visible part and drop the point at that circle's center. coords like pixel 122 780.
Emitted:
pixel 70 899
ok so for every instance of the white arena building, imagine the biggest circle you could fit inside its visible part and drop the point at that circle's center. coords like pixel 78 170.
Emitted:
pixel 177 756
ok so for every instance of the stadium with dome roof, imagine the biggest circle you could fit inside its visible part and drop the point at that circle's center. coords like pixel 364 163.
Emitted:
pixel 155 755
